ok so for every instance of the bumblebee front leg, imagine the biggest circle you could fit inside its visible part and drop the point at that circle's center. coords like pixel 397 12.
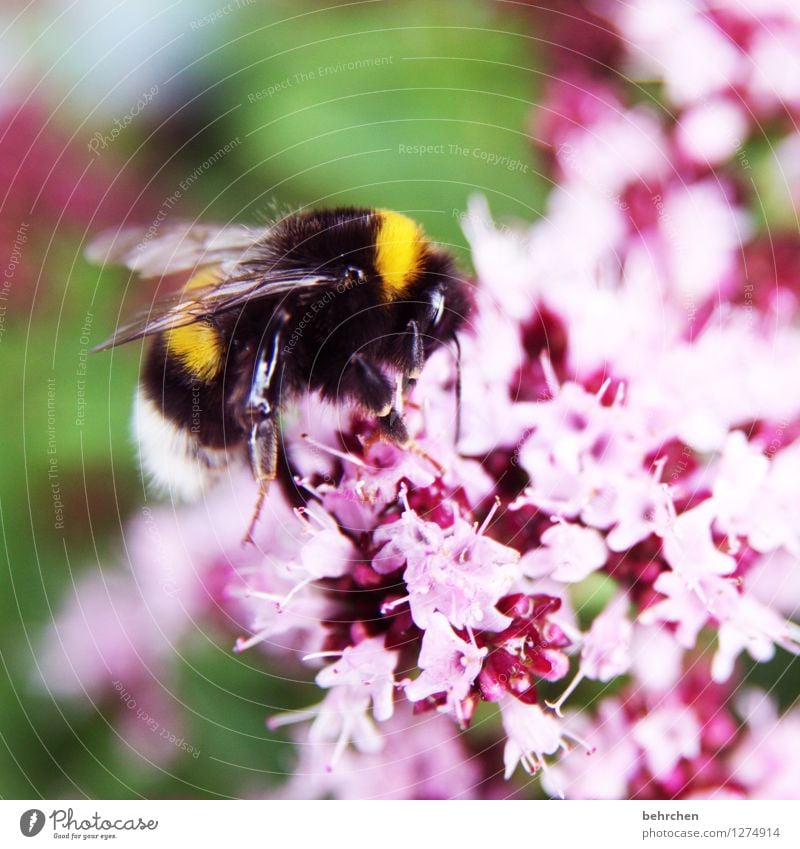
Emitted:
pixel 414 354
pixel 393 427
pixel 369 386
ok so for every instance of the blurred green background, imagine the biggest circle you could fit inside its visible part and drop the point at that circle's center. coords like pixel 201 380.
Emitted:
pixel 221 111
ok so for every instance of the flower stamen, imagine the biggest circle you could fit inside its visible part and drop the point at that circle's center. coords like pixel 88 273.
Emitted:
pixel 556 705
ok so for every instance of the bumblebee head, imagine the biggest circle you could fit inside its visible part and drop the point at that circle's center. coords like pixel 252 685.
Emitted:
pixel 387 251
pixel 413 271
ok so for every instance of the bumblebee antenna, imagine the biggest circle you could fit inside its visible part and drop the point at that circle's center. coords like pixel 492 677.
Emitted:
pixel 457 436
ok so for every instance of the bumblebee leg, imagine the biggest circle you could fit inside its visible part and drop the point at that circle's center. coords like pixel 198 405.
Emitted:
pixel 394 428
pixel 457 434
pixel 370 387
pixel 263 449
pixel 260 417
pixel 414 353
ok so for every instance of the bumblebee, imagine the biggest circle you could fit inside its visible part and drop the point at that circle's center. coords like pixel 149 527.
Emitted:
pixel 346 302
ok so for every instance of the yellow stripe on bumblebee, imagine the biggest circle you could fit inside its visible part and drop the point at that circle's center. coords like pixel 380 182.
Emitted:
pixel 399 251
pixel 198 346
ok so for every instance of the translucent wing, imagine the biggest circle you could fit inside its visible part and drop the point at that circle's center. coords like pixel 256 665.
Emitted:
pixel 188 307
pixel 230 253
pixel 171 248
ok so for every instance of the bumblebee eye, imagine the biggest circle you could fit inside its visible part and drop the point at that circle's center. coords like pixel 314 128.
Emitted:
pixel 437 307
pixel 353 276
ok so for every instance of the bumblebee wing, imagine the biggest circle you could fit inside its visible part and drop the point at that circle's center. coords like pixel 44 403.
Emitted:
pixel 204 302
pixel 165 314
pixel 175 247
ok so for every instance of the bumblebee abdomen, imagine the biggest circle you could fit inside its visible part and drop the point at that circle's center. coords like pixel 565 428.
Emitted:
pixel 188 386
pixel 183 425
pixel 171 454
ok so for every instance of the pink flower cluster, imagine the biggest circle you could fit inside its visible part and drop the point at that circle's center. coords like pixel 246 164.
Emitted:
pixel 621 506
pixel 424 610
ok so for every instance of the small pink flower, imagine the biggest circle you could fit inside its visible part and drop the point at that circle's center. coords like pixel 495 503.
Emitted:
pixel 329 553
pixel 738 485
pixel 690 550
pixel 758 498
pixel 533 734
pixel 746 624
pixel 643 506
pixel 457 571
pixel 569 553
pixel 681 605
pixel 366 668
pixel 342 718
pixel 363 676
pixel 606 649
pixel 449 664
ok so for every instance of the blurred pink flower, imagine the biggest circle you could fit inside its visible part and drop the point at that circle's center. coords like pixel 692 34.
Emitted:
pixel 52 185
pixel 676 41
pixel 125 624
pixel 685 745
pixel 666 735
pixel 422 757
pixel 712 131
pixel 760 761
